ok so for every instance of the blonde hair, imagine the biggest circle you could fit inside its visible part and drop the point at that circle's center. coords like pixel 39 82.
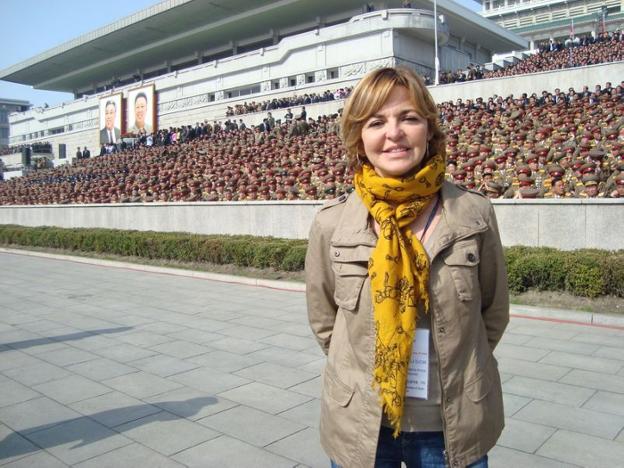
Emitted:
pixel 369 96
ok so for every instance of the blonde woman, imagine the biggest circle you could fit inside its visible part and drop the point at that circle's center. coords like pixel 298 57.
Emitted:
pixel 407 293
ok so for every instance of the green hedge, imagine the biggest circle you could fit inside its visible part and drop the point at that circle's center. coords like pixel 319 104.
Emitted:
pixel 587 273
pixel 246 251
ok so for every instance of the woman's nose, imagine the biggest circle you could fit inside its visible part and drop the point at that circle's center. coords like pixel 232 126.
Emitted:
pixel 394 130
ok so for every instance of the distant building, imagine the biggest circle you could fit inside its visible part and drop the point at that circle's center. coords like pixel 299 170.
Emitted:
pixel 538 20
pixel 8 106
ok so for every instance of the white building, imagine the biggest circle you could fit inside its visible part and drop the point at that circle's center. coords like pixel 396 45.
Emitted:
pixel 7 107
pixel 538 20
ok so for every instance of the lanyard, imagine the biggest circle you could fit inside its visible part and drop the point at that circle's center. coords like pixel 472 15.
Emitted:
pixel 431 216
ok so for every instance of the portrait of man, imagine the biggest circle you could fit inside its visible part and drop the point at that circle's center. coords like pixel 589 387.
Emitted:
pixel 110 134
pixel 140 111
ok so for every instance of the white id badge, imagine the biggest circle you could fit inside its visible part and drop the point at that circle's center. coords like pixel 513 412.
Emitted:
pixel 418 371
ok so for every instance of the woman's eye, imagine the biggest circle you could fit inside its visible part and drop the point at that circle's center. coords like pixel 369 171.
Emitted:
pixel 375 123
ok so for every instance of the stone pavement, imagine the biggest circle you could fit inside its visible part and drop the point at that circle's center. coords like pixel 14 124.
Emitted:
pixel 106 367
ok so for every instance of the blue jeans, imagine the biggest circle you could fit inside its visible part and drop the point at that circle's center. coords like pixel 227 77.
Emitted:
pixel 415 449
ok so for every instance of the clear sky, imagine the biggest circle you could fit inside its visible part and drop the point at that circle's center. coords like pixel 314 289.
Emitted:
pixel 30 27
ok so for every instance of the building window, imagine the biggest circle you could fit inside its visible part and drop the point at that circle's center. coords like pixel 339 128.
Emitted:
pixel 332 73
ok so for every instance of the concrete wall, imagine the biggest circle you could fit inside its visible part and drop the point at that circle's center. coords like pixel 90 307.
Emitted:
pixel 532 83
pixel 564 224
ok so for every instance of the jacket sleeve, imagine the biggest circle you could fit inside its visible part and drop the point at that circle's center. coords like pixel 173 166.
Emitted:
pixel 320 285
pixel 493 281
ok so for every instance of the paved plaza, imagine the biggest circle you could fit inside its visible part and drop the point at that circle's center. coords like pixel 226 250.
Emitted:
pixel 108 367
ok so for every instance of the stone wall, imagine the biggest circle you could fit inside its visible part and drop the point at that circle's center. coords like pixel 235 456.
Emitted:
pixel 565 224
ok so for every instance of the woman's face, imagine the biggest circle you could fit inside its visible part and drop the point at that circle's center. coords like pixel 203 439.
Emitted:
pixel 395 138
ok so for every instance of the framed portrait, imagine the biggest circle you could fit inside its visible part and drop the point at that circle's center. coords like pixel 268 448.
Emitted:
pixel 141 110
pixel 111 118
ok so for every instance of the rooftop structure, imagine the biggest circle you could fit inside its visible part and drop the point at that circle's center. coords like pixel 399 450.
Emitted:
pixel 554 19
pixel 178 34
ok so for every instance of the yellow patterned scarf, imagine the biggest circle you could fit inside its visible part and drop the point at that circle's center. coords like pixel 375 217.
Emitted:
pixel 399 273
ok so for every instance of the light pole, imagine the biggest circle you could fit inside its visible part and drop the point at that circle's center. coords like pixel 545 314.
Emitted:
pixel 436 80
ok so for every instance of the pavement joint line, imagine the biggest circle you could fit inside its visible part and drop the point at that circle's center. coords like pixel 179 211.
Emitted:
pixel 588 319
pixel 574 322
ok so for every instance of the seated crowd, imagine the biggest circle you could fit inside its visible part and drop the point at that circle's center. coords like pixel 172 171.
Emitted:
pixel 552 55
pixel 554 145
pixel 39 147
pixel 286 102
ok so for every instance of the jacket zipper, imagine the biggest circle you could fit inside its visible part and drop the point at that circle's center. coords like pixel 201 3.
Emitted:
pixel 445 452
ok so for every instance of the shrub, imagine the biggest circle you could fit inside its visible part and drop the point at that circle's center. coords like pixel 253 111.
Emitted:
pixel 584 277
pixel 589 272
pixel 295 258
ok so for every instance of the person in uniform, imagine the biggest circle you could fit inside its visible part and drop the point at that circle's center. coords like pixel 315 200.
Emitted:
pixel 590 183
pixel 619 187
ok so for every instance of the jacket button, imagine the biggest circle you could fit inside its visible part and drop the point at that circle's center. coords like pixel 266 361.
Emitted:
pixel 471 257
pixel 337 253
pixel 441 330
pixel 448 399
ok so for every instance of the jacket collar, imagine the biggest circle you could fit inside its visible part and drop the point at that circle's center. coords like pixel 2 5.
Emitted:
pixel 461 217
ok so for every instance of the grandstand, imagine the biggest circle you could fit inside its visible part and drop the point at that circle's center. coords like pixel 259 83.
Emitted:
pixel 257 50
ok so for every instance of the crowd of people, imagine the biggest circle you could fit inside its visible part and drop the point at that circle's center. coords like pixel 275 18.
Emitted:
pixel 553 145
pixel 39 147
pixel 286 102
pixel 553 55
pixel 296 160
pixel 557 144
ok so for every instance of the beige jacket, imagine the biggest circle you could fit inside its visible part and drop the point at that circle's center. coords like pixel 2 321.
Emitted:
pixel 469 307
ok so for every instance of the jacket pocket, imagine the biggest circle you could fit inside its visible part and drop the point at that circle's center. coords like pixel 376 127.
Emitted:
pixel 478 388
pixel 350 267
pixel 463 260
pixel 338 391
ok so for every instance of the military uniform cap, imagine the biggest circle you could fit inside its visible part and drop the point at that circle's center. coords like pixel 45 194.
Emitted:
pixel 587 167
pixel 470 164
pixel 597 153
pixel 491 164
pixel 525 179
pixel 558 156
pixel 524 169
pixel 531 156
pixel 459 175
pixel 492 186
pixel 590 179
pixel 529 192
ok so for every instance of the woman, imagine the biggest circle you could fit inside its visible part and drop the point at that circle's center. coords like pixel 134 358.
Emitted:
pixel 407 293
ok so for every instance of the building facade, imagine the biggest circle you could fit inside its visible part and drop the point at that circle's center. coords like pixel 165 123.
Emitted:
pixel 539 20
pixel 7 107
